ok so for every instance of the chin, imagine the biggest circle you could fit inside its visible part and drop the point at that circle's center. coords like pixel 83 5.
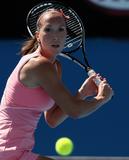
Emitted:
pixel 57 51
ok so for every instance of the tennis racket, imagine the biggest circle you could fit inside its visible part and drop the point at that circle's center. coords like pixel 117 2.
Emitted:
pixel 75 39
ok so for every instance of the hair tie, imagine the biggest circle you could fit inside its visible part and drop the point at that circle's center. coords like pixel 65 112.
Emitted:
pixel 66 17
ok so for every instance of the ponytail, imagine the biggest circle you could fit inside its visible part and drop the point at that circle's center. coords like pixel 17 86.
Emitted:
pixel 29 46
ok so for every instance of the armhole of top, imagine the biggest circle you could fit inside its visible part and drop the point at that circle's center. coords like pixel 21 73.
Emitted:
pixel 20 68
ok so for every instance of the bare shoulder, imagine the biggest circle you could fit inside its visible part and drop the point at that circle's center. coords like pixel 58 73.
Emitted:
pixel 40 68
pixel 35 69
pixel 39 62
pixel 39 65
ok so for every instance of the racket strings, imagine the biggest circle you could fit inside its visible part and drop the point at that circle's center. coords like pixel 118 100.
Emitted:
pixel 72 24
pixel 74 28
pixel 75 38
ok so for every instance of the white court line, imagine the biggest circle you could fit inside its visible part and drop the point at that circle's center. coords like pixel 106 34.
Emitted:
pixel 89 158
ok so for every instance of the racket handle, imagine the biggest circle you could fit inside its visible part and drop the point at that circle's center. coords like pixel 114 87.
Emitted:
pixel 82 89
pixel 96 80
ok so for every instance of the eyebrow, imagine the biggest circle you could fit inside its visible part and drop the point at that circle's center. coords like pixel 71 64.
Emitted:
pixel 50 25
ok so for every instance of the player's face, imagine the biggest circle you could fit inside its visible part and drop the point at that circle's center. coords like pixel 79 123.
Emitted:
pixel 52 33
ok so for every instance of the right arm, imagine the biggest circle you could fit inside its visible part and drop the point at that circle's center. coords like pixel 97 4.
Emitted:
pixel 71 105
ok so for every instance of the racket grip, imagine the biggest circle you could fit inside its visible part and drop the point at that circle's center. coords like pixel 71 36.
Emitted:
pixel 96 80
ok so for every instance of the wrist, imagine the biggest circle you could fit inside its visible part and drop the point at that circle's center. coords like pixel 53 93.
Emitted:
pixel 100 100
pixel 81 94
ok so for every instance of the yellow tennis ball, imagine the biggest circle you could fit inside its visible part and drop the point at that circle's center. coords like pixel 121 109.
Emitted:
pixel 64 146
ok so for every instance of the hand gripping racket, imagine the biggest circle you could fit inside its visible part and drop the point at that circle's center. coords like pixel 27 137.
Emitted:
pixel 75 39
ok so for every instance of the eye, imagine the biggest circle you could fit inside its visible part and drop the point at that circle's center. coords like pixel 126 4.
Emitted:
pixel 47 29
pixel 61 29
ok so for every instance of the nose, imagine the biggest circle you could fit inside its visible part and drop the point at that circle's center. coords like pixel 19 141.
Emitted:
pixel 55 38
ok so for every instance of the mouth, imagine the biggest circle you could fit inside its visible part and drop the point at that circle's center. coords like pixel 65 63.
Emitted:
pixel 55 45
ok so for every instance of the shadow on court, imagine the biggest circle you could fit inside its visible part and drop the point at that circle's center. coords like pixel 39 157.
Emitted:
pixel 91 158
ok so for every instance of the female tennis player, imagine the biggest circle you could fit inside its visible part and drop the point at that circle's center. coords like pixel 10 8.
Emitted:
pixel 35 87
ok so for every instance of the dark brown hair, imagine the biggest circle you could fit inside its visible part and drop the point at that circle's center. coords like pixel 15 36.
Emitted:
pixel 30 45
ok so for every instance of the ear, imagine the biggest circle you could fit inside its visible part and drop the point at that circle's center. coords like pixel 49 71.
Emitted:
pixel 37 36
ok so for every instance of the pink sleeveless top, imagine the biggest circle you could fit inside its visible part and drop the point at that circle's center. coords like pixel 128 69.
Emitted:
pixel 20 110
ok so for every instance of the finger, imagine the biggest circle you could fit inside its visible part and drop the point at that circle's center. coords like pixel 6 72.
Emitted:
pixel 98 76
pixel 92 77
pixel 104 80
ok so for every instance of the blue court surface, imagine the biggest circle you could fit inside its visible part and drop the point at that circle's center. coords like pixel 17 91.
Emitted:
pixel 91 158
pixel 104 135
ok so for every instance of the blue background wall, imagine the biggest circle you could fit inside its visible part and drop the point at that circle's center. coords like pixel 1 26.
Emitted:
pixel 106 131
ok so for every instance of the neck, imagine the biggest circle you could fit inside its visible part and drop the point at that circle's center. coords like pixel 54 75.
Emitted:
pixel 41 52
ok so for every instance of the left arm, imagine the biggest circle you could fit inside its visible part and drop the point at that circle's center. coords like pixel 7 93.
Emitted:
pixel 55 115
